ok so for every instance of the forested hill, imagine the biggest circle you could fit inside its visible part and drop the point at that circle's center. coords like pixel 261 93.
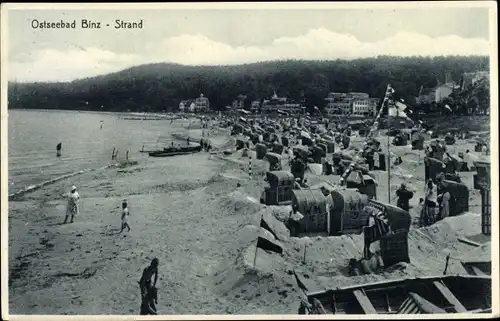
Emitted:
pixel 160 87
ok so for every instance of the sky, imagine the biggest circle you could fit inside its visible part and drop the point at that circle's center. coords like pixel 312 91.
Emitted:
pixel 235 36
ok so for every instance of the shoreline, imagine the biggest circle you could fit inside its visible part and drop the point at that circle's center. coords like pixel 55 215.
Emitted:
pixel 202 227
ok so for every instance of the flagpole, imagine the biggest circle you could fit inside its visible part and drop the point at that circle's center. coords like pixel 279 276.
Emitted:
pixel 388 154
pixel 388 166
pixel 257 243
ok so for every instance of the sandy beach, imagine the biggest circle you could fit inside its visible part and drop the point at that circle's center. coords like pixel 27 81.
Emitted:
pixel 188 212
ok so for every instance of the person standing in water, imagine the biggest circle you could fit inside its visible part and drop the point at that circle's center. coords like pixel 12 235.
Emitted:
pixel 58 148
pixel 102 122
pixel 125 215
pixel 72 207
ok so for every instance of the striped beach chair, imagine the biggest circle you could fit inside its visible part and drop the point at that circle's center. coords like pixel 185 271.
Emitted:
pixel 376 231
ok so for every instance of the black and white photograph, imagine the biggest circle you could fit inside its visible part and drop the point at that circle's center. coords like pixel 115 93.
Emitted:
pixel 275 160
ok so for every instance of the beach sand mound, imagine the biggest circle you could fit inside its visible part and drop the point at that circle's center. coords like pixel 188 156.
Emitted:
pixel 265 287
pixel 236 202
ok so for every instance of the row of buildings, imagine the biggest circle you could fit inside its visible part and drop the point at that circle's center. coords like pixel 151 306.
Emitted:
pixel 351 103
pixel 336 104
pixel 198 105
pixel 442 90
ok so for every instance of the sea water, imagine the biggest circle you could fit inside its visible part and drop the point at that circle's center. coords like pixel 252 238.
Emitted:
pixel 34 134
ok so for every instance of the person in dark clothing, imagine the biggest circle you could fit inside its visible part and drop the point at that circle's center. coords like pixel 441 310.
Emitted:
pixel 148 304
pixel 404 197
pixel 147 275
pixel 370 159
pixel 58 148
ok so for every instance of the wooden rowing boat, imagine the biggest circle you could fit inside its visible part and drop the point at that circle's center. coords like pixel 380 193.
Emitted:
pixel 426 295
pixel 169 154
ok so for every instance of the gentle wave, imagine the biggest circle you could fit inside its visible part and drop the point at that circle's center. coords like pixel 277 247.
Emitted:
pixel 52 181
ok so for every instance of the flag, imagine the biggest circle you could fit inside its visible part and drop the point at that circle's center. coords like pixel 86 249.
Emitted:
pixel 264 225
pixel 401 106
pixel 267 245
pixel 447 107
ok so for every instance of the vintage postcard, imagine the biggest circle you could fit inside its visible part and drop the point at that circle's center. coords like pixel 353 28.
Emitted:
pixel 250 160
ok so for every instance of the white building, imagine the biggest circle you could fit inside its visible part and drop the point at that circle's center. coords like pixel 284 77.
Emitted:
pixel 255 106
pixel 349 103
pixel 202 104
pixel 337 104
pixel 187 106
pixel 239 103
pixel 364 107
pixel 280 103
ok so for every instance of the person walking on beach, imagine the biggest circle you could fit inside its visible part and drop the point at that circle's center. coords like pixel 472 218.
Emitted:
pixel 147 275
pixel 404 197
pixel 429 210
pixel 72 207
pixel 125 215
pixel 444 202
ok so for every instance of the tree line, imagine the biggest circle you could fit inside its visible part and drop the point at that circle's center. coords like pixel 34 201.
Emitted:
pixel 160 87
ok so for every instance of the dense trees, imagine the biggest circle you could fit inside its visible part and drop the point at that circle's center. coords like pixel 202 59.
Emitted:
pixel 160 87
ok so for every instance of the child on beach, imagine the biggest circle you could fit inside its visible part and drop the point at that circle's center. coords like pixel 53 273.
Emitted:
pixel 72 207
pixel 125 214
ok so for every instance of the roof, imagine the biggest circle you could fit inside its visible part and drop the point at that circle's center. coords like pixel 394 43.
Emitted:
pixel 279 176
pixel 306 198
pixel 273 156
pixel 349 196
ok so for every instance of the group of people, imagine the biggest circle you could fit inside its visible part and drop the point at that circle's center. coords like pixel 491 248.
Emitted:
pixel 72 209
pixel 436 205
pixel 205 145
pixel 149 292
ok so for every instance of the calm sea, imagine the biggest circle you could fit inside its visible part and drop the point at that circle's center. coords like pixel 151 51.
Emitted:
pixel 34 134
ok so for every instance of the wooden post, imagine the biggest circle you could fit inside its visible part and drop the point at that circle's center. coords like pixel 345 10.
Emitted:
pixel 257 243
pixel 250 167
pixel 126 157
pixel 388 170
pixel 446 266
pixel 305 251
pixel 142 148
pixel 113 154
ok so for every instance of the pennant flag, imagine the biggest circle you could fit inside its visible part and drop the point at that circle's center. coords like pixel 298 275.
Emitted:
pixel 401 106
pixel 266 226
pixel 267 245
pixel 395 112
pixel 447 107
